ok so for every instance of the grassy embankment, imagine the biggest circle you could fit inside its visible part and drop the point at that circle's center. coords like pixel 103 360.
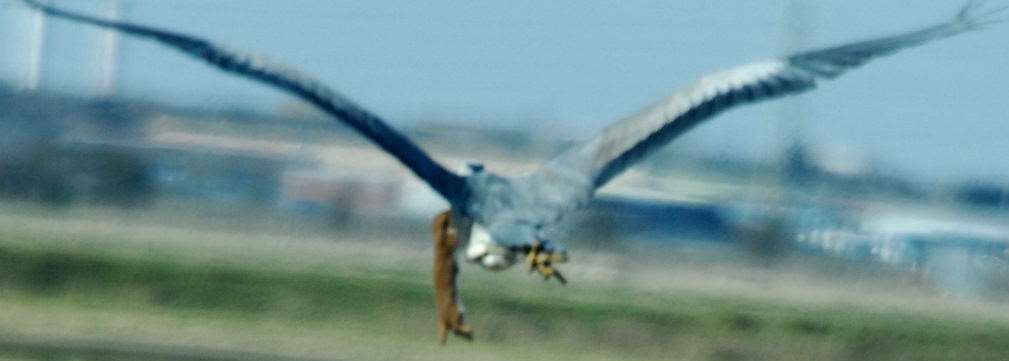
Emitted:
pixel 312 301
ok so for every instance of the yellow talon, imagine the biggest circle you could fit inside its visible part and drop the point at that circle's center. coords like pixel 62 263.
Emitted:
pixel 541 262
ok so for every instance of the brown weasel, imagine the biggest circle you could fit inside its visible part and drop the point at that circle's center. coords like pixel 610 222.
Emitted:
pixel 446 292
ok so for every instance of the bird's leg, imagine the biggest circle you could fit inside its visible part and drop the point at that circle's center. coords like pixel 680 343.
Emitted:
pixel 541 260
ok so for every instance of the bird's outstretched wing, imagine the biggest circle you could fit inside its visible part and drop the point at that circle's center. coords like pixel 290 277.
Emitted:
pixel 448 184
pixel 592 164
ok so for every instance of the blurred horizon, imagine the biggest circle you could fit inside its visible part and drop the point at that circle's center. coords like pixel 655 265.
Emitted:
pixel 565 71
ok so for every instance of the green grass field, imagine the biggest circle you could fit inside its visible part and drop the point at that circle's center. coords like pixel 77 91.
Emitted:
pixel 100 295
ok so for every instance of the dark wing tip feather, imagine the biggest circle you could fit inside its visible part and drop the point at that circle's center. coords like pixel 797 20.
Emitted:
pixel 978 14
pixel 832 62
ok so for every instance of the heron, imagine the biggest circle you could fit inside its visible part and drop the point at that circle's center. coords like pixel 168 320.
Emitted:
pixel 509 217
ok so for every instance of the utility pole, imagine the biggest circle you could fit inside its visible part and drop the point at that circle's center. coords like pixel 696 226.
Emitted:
pixel 798 24
pixel 110 52
pixel 36 44
pixel 796 33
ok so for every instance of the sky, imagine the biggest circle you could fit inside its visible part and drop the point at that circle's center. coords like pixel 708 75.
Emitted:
pixel 568 68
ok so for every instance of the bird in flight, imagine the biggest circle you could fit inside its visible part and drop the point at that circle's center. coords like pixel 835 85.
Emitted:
pixel 508 217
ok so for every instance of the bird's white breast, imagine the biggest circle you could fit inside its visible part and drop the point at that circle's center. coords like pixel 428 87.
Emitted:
pixel 482 249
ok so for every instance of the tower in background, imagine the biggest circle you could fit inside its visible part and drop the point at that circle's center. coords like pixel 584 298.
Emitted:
pixel 109 56
pixel 36 43
pixel 798 24
pixel 795 37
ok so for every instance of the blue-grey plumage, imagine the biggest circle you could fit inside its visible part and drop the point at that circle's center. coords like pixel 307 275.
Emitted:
pixel 514 214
